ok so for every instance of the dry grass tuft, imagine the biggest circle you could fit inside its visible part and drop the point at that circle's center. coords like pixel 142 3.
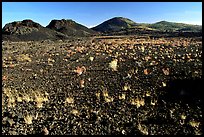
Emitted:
pixel 11 122
pixel 143 129
pixel 75 112
pixel 69 100
pixel 45 131
pixel 27 97
pixel 166 71
pixel 98 95
pixel 91 58
pixel 11 94
pixel 194 123
pixel 126 87
pixel 122 96
pixel 15 96
pixel 138 102
pixel 39 99
pixel 28 119
pixel 24 57
pixel 113 64
pixel 163 84
pixel 107 97
pixel 105 93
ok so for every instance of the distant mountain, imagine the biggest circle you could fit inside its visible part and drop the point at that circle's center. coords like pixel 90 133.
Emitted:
pixel 119 24
pixel 172 26
pixel 70 28
pixel 28 30
pixel 115 24
pixel 63 29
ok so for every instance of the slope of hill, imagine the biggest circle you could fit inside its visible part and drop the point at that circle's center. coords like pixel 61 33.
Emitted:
pixel 63 29
pixel 119 24
pixel 70 28
pixel 172 26
pixel 28 30
pixel 115 24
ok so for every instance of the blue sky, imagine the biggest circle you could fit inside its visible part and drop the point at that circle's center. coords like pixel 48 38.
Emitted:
pixel 93 13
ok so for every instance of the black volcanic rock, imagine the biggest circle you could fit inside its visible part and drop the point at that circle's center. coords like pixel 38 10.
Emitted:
pixel 21 27
pixel 115 24
pixel 28 30
pixel 70 28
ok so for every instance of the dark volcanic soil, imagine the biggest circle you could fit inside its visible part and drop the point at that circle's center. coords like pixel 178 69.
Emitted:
pixel 102 86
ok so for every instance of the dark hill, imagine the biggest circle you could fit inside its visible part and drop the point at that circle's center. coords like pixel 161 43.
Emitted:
pixel 115 24
pixel 70 28
pixel 27 30
pixel 21 27
pixel 63 29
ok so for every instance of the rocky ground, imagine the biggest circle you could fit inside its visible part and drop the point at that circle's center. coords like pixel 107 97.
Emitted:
pixel 102 86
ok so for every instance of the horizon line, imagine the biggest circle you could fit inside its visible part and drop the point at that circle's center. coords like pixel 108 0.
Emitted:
pixel 91 26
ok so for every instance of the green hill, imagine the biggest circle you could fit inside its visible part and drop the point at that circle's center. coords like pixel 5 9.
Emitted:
pixel 120 23
pixel 172 26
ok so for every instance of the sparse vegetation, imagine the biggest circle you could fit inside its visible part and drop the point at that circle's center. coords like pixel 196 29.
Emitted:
pixel 28 119
pixel 24 57
pixel 102 85
pixel 113 64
